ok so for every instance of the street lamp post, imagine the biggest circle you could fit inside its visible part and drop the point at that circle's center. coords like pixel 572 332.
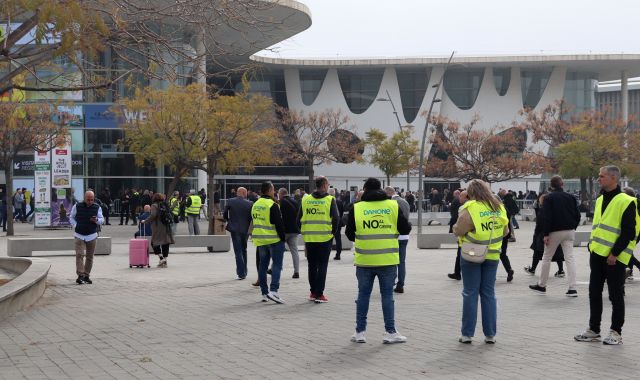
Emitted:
pixel 395 112
pixel 434 100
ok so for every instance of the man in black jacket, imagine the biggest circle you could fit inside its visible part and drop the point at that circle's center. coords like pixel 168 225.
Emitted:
pixel 366 274
pixel 606 260
pixel 338 235
pixel 561 218
pixel 289 209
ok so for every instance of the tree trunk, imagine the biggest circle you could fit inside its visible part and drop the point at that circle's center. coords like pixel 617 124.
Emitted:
pixel 583 189
pixel 174 182
pixel 8 172
pixel 311 175
pixel 211 171
pixel 388 180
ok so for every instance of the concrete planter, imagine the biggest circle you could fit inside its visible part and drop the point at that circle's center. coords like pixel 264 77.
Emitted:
pixel 24 290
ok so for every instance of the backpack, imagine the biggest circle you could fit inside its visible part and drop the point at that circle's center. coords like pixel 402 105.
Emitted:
pixel 166 217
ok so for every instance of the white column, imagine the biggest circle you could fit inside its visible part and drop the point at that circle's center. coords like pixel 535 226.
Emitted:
pixel 200 76
pixel 624 90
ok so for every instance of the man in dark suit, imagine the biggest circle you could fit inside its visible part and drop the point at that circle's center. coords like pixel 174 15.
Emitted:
pixel 237 214
pixel 338 235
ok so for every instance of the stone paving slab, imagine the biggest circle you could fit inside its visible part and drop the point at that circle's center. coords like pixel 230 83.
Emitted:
pixel 193 320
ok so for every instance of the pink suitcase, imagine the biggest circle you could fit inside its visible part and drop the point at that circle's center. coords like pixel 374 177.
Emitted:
pixel 139 252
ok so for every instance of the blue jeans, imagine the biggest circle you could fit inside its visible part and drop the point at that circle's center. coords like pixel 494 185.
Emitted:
pixel 402 271
pixel 386 278
pixel 514 221
pixel 274 252
pixel 479 279
pixel 239 241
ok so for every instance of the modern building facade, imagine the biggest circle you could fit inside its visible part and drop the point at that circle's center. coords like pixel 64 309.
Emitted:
pixel 495 88
pixel 609 98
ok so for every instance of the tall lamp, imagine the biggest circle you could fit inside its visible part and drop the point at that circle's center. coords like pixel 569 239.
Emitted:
pixel 395 112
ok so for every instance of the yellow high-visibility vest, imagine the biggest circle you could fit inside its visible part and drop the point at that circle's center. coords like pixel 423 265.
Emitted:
pixel 607 228
pixel 264 232
pixel 316 219
pixel 196 203
pixel 376 242
pixel 485 220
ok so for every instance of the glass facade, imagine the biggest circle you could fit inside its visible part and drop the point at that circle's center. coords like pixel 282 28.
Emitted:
pixel 502 79
pixel 580 91
pixel 360 87
pixel 413 84
pixel 533 82
pixel 310 84
pixel 463 85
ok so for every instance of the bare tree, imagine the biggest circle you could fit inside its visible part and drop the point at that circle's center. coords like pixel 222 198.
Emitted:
pixel 107 40
pixel 466 152
pixel 23 128
pixel 320 138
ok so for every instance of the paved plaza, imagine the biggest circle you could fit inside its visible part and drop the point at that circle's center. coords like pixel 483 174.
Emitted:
pixel 193 320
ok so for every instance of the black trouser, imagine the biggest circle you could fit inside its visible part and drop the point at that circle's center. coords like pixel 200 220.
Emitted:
pixel 535 261
pixel 503 255
pixel 3 220
pixel 164 249
pixel 338 237
pixel 614 276
pixel 456 267
pixel 107 211
pixel 634 262
pixel 124 213
pixel 318 260
pixel 134 218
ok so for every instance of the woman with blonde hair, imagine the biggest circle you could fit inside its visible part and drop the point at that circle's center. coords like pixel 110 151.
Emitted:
pixel 482 221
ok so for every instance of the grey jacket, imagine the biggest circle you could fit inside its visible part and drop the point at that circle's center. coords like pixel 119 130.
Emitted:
pixel 237 213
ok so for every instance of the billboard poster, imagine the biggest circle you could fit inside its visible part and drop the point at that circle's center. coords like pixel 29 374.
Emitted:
pixel 61 164
pixel 61 204
pixel 99 116
pixel 42 188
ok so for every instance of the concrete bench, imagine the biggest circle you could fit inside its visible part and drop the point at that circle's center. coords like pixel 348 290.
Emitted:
pixel 25 246
pixel 215 243
pixel 581 237
pixel 436 240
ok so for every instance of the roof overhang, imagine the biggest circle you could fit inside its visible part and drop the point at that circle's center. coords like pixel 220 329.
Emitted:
pixel 606 66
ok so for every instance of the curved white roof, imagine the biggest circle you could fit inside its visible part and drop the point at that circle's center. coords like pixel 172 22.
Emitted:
pixel 607 66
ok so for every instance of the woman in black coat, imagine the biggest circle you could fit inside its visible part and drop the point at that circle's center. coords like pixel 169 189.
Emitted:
pixel 538 244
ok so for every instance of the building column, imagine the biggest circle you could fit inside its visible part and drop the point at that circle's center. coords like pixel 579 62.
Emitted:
pixel 200 76
pixel 624 90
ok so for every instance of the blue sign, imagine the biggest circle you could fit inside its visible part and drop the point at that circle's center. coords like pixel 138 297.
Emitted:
pixel 99 116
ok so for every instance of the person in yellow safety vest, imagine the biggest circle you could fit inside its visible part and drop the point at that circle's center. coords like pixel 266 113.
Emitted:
pixel 318 220
pixel 268 236
pixel 613 237
pixel 174 206
pixel 192 212
pixel 481 220
pixel 374 224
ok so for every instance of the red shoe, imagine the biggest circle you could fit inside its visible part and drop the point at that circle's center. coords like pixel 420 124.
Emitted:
pixel 312 297
pixel 321 299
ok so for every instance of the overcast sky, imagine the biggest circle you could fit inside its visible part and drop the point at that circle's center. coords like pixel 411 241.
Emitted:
pixel 392 28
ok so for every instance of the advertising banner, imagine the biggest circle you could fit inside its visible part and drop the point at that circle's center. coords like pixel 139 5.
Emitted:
pixel 61 164
pixel 42 189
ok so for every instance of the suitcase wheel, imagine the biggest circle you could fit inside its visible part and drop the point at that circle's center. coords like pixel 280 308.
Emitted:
pixel 148 266
pixel 130 266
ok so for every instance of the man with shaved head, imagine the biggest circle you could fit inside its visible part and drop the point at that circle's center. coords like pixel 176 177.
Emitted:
pixel 85 218
pixel 237 213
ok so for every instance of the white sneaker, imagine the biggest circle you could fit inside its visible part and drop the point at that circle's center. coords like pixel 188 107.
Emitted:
pixel 389 338
pixel 265 298
pixel 613 338
pixel 359 337
pixel 273 296
pixel 588 336
pixel 464 339
pixel 490 339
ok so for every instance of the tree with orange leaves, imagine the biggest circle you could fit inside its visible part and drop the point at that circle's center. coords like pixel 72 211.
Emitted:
pixel 466 151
